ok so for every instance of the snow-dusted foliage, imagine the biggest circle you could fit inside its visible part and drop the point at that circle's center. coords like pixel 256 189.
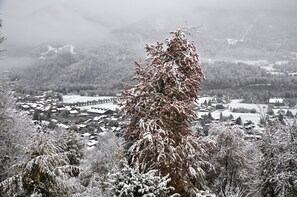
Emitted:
pixel 234 160
pixel 14 130
pixel 161 107
pixel 73 147
pixel 206 193
pixel 43 171
pixel 129 182
pixel 6 136
pixel 278 167
pixel 97 163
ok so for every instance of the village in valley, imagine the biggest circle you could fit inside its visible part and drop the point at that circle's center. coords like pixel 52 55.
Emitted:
pixel 92 116
pixel 88 116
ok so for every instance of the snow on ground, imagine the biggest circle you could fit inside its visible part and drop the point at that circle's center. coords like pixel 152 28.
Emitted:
pixel 272 70
pixel 78 98
pixel 244 116
pixel 201 100
pixel 252 62
pixel 236 103
pixel 281 62
pixel 269 68
pixel 249 62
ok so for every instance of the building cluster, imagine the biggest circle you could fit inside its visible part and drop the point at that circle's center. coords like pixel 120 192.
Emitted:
pixel 49 112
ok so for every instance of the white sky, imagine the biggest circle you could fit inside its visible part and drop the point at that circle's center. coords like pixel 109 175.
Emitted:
pixel 39 21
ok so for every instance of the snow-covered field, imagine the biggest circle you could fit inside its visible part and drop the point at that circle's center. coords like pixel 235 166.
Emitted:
pixel 244 116
pixel 78 98
pixel 201 100
pixel 249 62
pixel 252 62
pixel 236 103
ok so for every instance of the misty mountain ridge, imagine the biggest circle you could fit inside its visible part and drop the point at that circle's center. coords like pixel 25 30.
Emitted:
pixel 225 34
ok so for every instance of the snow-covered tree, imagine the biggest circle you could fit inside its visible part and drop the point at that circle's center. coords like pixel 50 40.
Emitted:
pixel 206 193
pixel 6 124
pixel 97 163
pixel 129 182
pixel 73 147
pixel 232 162
pixel 43 171
pixel 161 108
pixel 14 128
pixel 278 166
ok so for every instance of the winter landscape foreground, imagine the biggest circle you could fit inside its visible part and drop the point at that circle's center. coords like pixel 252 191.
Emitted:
pixel 144 110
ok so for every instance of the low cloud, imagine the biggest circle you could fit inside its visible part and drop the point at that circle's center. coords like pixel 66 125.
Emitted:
pixel 81 21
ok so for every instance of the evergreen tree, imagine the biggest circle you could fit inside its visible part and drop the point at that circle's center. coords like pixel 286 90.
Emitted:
pixel 221 116
pixel 205 103
pixel 161 107
pixel 209 116
pixel 238 121
pixel 43 171
pixel 209 103
pixel 281 118
pixel 289 114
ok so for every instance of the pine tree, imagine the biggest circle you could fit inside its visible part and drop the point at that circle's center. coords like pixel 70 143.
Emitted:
pixel 161 107
pixel 209 103
pixel 238 121
pixel 43 171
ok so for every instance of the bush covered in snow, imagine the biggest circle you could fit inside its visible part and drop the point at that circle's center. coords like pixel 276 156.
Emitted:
pixel 129 182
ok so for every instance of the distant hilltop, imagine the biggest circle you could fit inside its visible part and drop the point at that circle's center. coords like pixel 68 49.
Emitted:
pixel 52 51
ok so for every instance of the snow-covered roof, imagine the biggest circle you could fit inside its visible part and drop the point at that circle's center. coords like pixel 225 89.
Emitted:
pixel 25 106
pixel 103 133
pixel 73 112
pixel 276 100
pixel 81 125
pixel 103 128
pixel 96 118
pixel 96 111
pixel 61 108
pixel 86 134
pixel 92 143
pixel 63 126
pixel 47 107
pixel 90 147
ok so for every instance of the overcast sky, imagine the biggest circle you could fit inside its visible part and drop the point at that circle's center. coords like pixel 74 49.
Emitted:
pixel 74 21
